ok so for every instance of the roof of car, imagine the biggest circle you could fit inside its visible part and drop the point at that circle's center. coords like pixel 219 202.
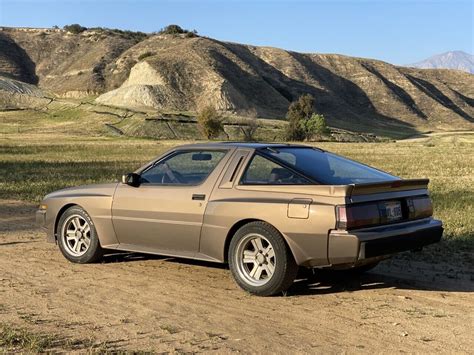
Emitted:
pixel 252 145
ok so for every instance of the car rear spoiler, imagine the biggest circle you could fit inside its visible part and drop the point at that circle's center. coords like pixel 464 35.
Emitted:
pixel 388 186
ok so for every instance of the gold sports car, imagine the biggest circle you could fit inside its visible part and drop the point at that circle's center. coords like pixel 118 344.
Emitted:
pixel 265 209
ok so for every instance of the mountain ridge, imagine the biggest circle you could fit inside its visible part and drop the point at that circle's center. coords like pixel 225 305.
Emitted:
pixel 458 60
pixel 174 72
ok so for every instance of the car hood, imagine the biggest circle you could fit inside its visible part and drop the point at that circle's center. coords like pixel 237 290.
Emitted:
pixel 85 190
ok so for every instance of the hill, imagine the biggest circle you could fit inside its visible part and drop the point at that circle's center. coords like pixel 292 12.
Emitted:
pixel 181 73
pixel 458 60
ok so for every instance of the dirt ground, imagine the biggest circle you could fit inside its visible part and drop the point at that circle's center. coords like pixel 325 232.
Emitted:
pixel 136 302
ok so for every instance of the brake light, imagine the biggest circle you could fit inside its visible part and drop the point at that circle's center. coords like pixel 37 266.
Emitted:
pixel 419 207
pixel 353 216
pixel 382 212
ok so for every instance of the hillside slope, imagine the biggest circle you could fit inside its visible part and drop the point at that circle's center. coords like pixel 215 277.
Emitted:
pixel 167 72
pixel 65 63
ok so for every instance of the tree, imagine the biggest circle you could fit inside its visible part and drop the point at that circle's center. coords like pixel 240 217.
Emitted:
pixel 300 110
pixel 75 28
pixel 315 125
pixel 210 122
pixel 173 30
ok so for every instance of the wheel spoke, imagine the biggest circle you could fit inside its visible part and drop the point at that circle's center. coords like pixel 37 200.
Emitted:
pixel 86 241
pixel 76 223
pixel 77 246
pixel 248 260
pixel 269 252
pixel 249 256
pixel 70 235
pixel 270 269
pixel 254 270
pixel 86 228
pixel 257 244
pixel 258 272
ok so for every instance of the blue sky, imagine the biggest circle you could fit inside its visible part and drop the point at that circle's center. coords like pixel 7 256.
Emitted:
pixel 398 31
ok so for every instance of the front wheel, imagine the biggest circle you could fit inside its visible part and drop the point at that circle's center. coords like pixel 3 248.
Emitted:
pixel 77 237
pixel 260 261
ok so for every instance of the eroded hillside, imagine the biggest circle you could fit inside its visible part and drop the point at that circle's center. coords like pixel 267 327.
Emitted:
pixel 173 72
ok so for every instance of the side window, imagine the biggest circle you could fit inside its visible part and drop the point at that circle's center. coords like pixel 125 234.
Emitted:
pixel 262 171
pixel 183 168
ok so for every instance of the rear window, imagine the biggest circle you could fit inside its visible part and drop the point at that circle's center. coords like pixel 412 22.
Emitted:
pixel 327 168
pixel 262 171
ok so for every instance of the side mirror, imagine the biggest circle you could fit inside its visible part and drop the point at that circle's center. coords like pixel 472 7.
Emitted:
pixel 131 179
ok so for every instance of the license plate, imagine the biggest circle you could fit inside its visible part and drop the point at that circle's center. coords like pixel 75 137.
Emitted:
pixel 393 210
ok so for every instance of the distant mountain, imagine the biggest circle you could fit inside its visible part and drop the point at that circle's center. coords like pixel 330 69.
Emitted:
pixel 450 60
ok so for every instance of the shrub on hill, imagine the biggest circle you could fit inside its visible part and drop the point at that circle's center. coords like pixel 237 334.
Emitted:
pixel 315 126
pixel 210 122
pixel 75 28
pixel 177 30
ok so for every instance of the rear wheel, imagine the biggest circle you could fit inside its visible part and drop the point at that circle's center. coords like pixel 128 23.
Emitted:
pixel 260 260
pixel 77 237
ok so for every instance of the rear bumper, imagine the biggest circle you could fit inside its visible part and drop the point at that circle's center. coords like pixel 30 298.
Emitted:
pixel 355 247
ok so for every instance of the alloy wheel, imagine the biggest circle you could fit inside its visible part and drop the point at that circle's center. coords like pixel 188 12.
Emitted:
pixel 255 259
pixel 76 235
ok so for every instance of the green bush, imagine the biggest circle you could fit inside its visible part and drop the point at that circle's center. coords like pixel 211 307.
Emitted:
pixel 314 126
pixel 173 30
pixel 75 28
pixel 210 122
pixel 177 30
pixel 303 122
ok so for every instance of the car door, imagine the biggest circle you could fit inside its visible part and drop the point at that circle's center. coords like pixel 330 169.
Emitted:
pixel 165 212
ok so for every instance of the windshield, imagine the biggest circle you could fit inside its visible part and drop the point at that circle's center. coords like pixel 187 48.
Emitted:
pixel 327 168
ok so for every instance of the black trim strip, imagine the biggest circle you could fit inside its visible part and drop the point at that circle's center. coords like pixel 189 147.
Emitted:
pixel 236 169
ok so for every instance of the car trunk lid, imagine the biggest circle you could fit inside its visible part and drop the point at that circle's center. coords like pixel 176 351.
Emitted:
pixel 382 203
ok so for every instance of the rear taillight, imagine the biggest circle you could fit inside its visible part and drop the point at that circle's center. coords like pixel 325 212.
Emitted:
pixel 376 213
pixel 419 207
pixel 354 216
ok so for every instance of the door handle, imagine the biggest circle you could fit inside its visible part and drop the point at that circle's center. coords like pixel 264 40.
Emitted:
pixel 199 197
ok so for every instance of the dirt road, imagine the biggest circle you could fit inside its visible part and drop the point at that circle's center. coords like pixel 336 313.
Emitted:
pixel 137 302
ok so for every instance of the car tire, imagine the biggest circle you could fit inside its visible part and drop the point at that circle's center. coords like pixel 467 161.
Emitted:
pixel 77 237
pixel 260 261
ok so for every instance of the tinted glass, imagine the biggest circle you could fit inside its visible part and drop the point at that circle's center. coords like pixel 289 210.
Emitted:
pixel 327 168
pixel 264 171
pixel 184 168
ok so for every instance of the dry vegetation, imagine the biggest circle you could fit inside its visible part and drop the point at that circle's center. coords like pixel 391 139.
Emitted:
pixel 39 312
